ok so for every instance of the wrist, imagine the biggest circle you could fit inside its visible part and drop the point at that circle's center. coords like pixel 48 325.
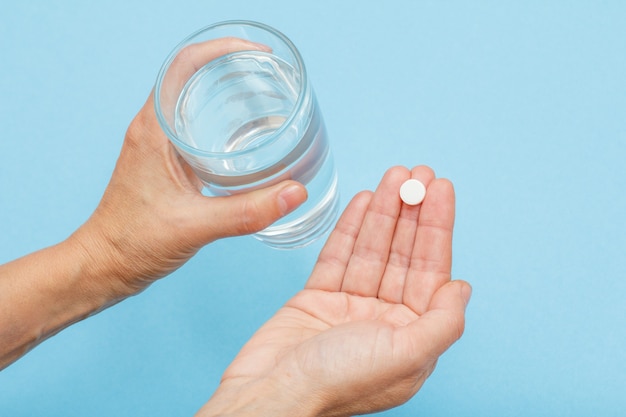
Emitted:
pixel 102 264
pixel 94 275
pixel 235 398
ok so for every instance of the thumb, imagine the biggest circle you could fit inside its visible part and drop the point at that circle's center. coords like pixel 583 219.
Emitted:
pixel 250 212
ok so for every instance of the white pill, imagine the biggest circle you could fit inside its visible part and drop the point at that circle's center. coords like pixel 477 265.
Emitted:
pixel 412 192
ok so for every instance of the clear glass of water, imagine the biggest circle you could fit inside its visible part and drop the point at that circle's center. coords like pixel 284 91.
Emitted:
pixel 235 100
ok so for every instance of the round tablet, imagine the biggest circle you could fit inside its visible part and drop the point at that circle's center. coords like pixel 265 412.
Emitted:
pixel 412 192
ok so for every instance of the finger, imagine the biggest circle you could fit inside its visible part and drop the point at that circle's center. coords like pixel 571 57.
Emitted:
pixel 431 260
pixel 392 283
pixel 371 249
pixel 333 260
pixel 193 57
pixel 438 328
pixel 245 213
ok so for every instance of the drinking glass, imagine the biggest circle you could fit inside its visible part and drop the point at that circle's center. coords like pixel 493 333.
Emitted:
pixel 235 100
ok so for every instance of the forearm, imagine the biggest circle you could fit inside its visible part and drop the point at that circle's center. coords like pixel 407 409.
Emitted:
pixel 43 293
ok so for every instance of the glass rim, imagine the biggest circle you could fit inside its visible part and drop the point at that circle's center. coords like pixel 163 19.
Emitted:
pixel 171 134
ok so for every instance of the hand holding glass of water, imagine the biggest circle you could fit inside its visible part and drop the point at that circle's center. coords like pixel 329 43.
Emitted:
pixel 235 100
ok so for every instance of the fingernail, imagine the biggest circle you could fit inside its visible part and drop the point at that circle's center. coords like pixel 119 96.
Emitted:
pixel 290 198
pixel 260 46
pixel 466 292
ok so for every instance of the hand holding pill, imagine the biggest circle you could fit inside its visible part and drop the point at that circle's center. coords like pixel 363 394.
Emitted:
pixel 377 312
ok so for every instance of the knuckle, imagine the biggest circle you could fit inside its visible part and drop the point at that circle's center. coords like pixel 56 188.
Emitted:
pixel 250 220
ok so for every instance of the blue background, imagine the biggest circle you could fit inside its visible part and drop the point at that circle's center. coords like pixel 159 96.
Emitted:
pixel 522 105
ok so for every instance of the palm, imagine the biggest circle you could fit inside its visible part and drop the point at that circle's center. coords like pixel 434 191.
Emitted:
pixel 379 294
pixel 317 326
